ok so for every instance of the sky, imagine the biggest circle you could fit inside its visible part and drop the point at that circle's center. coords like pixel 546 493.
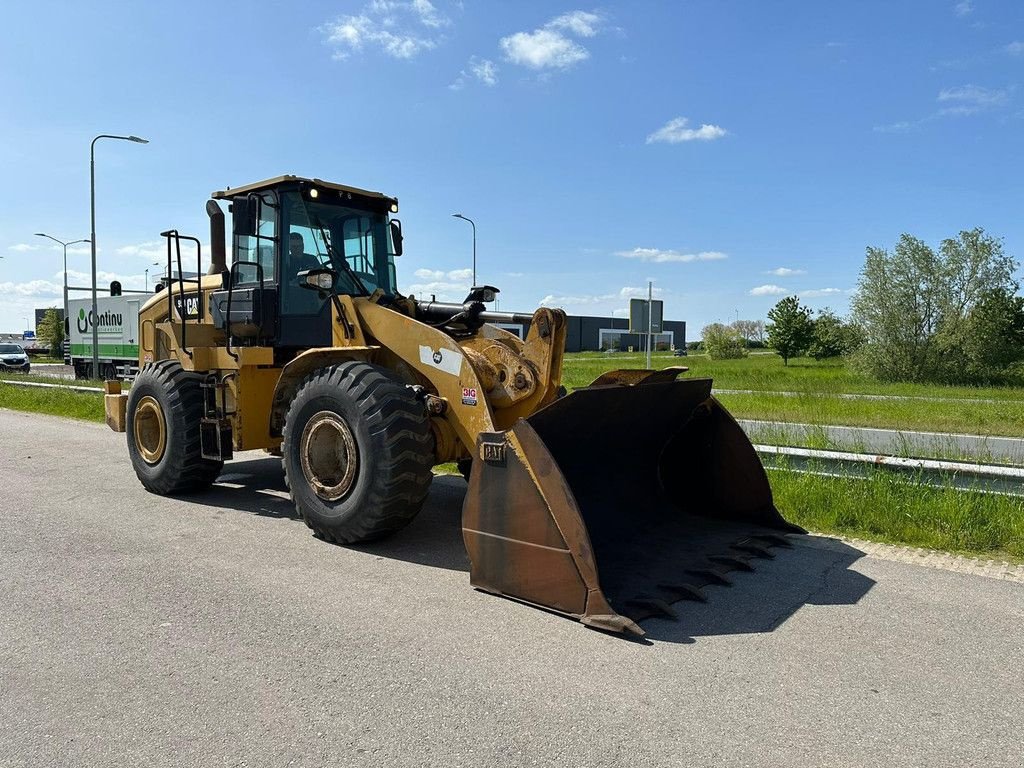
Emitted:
pixel 731 152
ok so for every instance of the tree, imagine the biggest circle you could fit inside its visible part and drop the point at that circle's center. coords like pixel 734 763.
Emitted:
pixel 51 330
pixel 790 331
pixel 994 333
pixel 913 304
pixel 832 336
pixel 723 342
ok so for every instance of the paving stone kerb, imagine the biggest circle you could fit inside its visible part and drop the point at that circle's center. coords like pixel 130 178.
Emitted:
pixel 928 558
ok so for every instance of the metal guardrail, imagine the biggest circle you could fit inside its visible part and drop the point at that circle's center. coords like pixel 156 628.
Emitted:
pixel 991 478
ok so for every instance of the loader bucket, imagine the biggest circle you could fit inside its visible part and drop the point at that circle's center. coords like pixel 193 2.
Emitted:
pixel 618 500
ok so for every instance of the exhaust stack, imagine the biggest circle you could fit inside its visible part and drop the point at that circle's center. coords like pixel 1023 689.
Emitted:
pixel 218 254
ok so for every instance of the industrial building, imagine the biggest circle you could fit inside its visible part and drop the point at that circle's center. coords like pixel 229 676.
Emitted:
pixel 592 334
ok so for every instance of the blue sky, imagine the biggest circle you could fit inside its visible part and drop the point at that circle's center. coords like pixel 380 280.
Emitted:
pixel 733 152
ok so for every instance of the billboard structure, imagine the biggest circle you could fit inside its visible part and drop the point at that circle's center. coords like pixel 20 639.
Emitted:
pixel 646 317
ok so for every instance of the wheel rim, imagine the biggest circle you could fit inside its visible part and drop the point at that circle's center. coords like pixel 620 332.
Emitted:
pixel 150 430
pixel 328 453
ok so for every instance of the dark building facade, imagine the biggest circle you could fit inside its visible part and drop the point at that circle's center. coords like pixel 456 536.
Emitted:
pixel 592 334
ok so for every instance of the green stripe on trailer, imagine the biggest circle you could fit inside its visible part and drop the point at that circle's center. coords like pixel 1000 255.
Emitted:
pixel 124 351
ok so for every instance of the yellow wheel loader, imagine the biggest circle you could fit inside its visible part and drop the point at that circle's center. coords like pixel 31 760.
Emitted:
pixel 607 504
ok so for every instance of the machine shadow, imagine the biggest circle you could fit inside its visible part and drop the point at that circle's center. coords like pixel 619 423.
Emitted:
pixel 434 538
pixel 816 571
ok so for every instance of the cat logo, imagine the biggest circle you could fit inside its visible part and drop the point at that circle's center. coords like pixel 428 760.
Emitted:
pixel 493 453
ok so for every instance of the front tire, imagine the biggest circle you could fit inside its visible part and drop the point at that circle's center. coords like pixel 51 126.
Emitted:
pixel 165 405
pixel 357 452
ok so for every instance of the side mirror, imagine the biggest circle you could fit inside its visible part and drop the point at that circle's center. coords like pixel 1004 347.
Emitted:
pixel 245 216
pixel 318 279
pixel 396 236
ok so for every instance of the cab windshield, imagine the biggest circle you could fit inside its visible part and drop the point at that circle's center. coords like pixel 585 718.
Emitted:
pixel 11 349
pixel 354 242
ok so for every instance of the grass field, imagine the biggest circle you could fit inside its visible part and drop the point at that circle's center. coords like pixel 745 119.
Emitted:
pixel 817 385
pixel 898 510
pixel 56 402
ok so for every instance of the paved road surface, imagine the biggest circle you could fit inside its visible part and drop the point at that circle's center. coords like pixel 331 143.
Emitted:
pixel 890 442
pixel 215 630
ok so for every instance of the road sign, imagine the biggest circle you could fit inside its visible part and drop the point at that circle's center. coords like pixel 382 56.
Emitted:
pixel 28 335
pixel 638 316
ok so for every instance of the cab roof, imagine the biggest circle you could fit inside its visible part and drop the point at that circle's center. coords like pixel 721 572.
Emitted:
pixel 289 180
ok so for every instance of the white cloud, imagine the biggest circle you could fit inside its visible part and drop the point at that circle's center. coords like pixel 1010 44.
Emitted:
pixel 513 274
pixel 543 48
pixel 964 8
pixel 628 292
pixel 970 99
pixel 483 70
pixel 820 292
pixel 402 29
pixel 900 127
pixel 443 290
pixel 33 289
pixel 620 313
pixel 581 23
pixel 658 256
pixel 429 274
pixel 675 131
pixel 23 247
pixel 549 46
pixel 154 249
pixel 552 300
pixel 1016 48
pixel 768 290
pixel 786 272
pixel 460 274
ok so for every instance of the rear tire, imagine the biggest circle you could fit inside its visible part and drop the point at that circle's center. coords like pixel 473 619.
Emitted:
pixel 357 452
pixel 165 405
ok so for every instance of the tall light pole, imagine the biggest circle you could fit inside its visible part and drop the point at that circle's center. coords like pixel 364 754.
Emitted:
pixel 147 279
pixel 466 218
pixel 92 218
pixel 65 245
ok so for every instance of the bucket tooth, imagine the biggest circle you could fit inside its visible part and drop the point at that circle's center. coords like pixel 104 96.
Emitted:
pixel 711 576
pixel 655 605
pixel 774 540
pixel 756 550
pixel 685 592
pixel 736 563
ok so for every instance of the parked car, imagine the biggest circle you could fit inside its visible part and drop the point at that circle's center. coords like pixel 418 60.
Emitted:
pixel 13 358
pixel 681 352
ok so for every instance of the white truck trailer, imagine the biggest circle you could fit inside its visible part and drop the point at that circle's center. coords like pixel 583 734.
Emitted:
pixel 118 328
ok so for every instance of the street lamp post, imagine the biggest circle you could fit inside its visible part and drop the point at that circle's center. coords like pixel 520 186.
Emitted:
pixel 92 219
pixel 466 218
pixel 65 246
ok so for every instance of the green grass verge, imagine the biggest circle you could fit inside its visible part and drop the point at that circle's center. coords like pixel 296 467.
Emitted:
pixel 57 402
pixel 897 510
pixel 767 374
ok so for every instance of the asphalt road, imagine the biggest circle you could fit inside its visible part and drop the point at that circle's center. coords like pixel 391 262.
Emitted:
pixel 215 630
pixel 890 442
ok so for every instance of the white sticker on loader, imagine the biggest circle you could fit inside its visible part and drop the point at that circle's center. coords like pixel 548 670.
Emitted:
pixel 446 360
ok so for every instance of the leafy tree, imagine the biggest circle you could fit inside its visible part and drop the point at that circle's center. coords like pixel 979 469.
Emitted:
pixel 51 330
pixel 832 337
pixel 913 304
pixel 722 342
pixel 790 331
pixel 994 333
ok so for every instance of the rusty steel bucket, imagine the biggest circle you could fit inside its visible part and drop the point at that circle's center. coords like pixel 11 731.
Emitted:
pixel 617 500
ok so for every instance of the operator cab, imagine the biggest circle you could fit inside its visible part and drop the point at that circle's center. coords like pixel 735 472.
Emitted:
pixel 295 241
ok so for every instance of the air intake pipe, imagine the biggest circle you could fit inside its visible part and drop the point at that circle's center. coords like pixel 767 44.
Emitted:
pixel 218 254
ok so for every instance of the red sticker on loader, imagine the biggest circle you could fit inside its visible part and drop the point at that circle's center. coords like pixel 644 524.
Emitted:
pixel 469 395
